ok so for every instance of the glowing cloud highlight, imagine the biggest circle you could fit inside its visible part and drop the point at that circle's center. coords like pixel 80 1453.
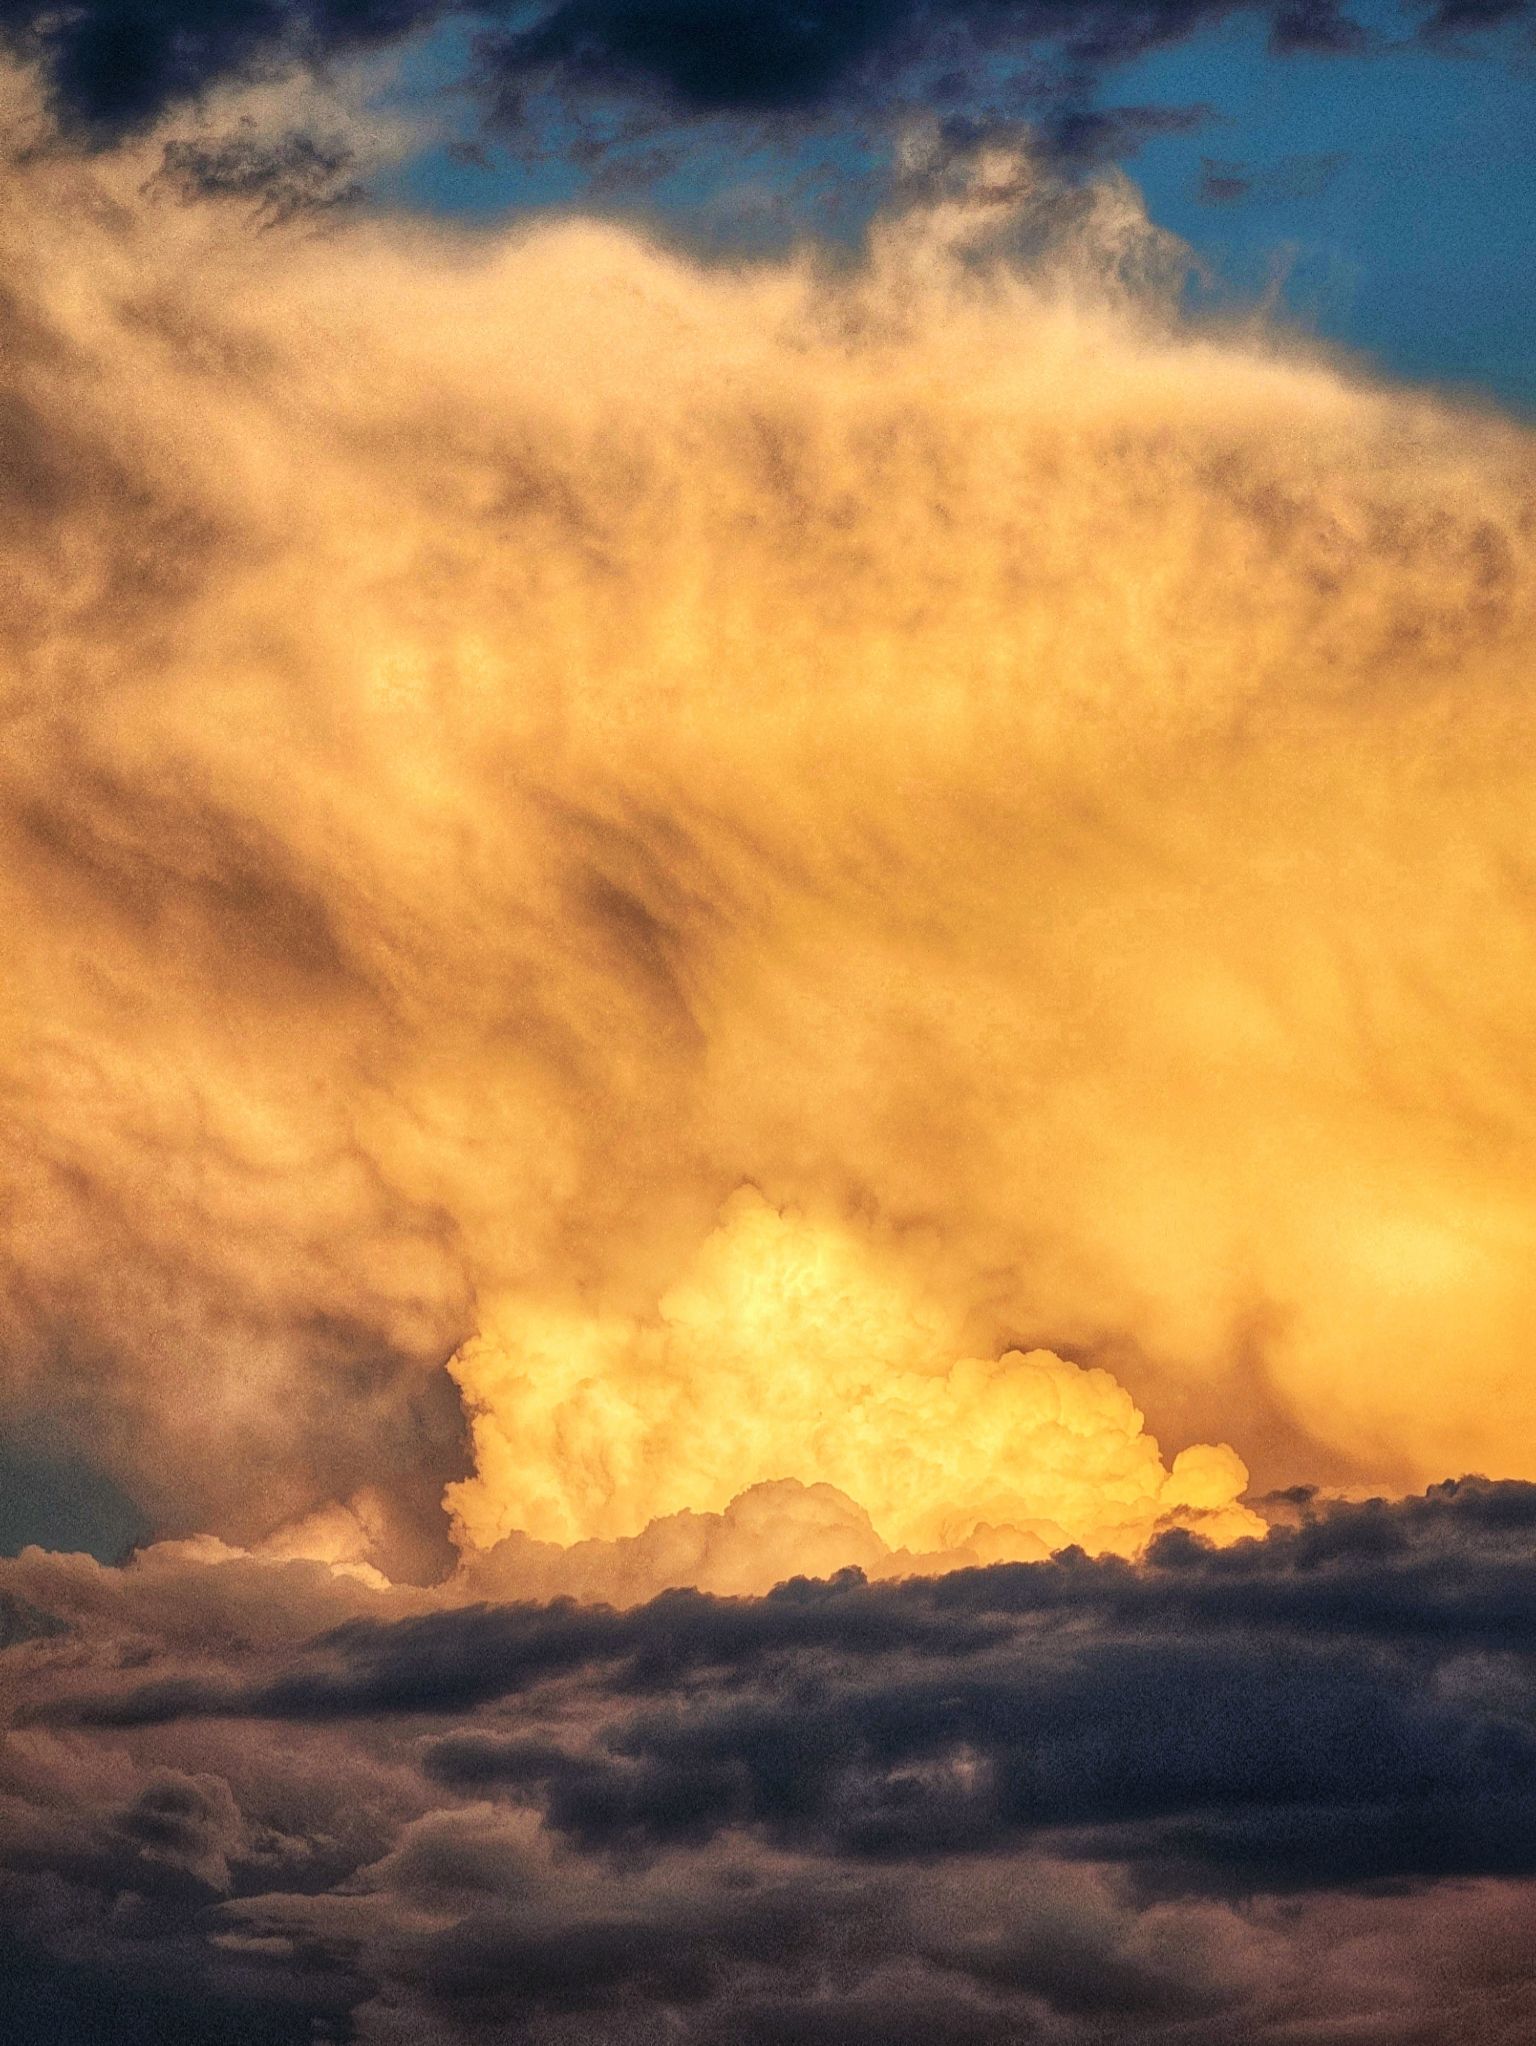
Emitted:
pixel 786 1352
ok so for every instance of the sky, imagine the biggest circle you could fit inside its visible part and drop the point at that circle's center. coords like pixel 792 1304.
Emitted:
pixel 1380 197
pixel 768 1104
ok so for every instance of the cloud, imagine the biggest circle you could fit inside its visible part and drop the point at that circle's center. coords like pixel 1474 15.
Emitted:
pixel 1271 1791
pixel 188 1822
pixel 539 775
pixel 1224 183
pixel 1338 1703
pixel 620 69
pixel 294 174
pixel 936 749
pixel 786 1347
pixel 115 65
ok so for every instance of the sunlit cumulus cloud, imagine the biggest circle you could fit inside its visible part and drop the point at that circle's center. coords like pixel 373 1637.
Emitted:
pixel 781 1351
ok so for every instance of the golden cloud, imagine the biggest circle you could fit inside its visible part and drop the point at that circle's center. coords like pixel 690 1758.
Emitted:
pixel 512 739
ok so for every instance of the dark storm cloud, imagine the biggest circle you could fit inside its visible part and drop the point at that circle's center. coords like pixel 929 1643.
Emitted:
pixel 1349 1700
pixel 450 1661
pixel 116 64
pixel 145 2000
pixel 1249 1792
pixel 1210 1765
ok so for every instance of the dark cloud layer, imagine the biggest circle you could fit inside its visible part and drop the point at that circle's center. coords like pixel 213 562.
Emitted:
pixel 116 64
pixel 1333 1705
pixel 1257 1792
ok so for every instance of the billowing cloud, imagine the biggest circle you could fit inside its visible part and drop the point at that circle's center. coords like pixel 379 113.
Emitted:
pixel 513 741
pixel 786 1350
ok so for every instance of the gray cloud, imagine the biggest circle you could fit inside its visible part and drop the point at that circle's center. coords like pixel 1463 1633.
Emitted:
pixel 1071 1800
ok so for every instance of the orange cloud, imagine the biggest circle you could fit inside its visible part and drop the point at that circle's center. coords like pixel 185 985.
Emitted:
pixel 510 740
